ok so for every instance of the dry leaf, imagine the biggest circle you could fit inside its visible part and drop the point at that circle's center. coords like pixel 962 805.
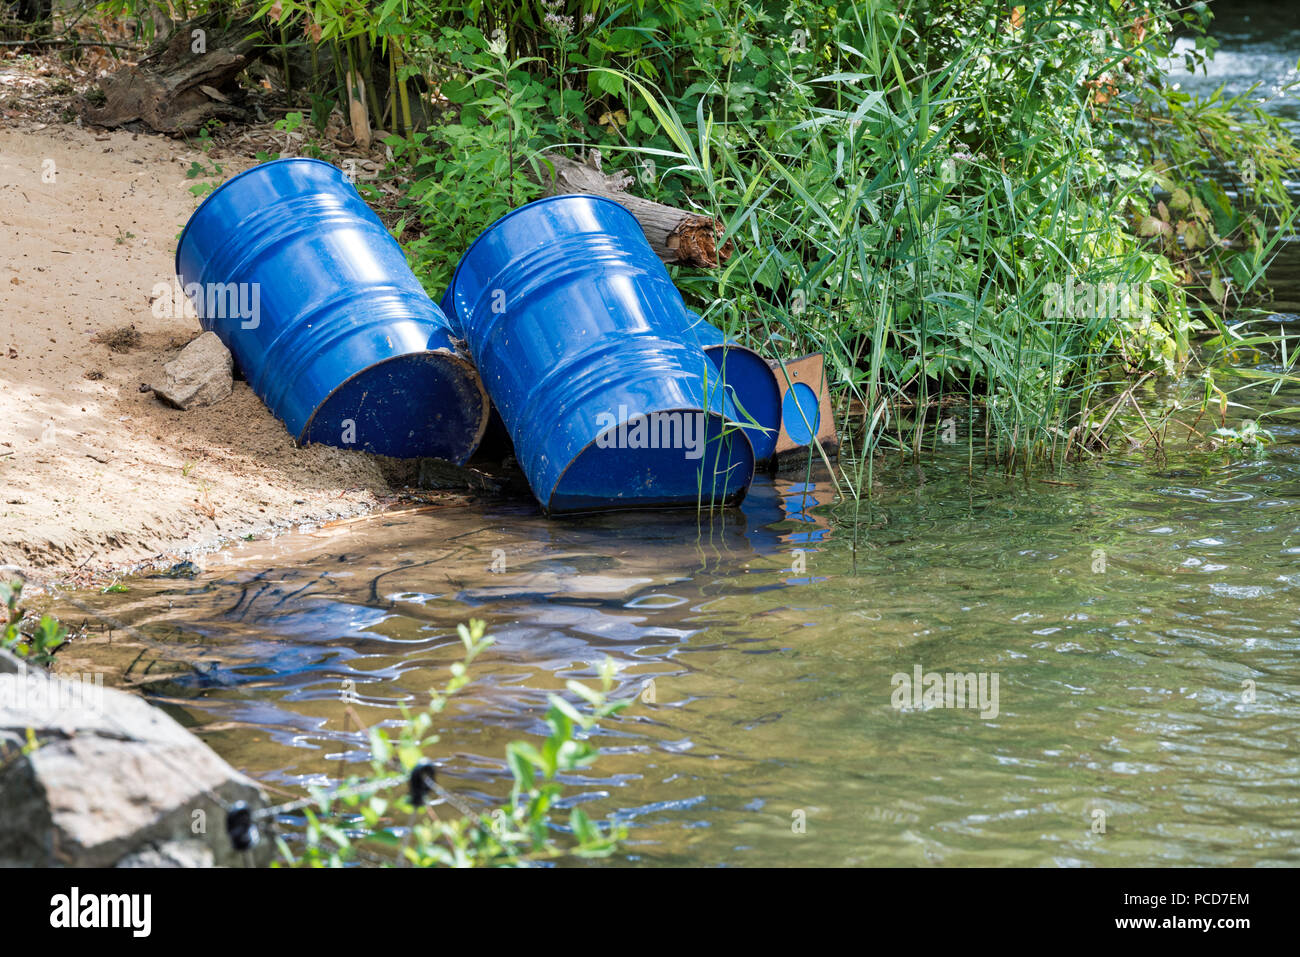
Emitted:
pixel 360 118
pixel 612 121
pixel 1193 235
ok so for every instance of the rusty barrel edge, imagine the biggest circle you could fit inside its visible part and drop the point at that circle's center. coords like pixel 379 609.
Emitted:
pixel 290 267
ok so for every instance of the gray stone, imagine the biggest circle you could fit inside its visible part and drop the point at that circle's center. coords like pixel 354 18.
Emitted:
pixel 11 664
pixel 111 777
pixel 171 854
pixel 200 375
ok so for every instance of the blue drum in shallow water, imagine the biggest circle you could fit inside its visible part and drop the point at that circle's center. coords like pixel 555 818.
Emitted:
pixel 750 382
pixel 584 345
pixel 298 277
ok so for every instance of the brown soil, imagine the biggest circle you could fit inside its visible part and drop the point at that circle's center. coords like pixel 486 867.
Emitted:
pixel 95 475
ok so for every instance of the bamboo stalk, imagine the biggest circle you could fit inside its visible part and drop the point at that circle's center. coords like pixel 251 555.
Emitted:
pixel 338 72
pixel 398 62
pixel 373 97
pixel 392 92
pixel 284 62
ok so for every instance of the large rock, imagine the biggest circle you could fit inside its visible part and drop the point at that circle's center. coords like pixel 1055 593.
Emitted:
pixel 200 375
pixel 113 779
pixel 171 854
pixel 10 663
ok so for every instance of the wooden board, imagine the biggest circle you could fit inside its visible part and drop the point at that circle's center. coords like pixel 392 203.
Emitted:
pixel 809 370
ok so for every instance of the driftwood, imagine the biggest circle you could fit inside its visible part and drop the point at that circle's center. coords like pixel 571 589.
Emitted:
pixel 676 235
pixel 186 80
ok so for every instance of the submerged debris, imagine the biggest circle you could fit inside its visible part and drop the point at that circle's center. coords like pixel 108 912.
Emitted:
pixel 182 569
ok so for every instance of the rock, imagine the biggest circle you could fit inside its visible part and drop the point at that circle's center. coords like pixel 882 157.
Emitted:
pixel 200 375
pixel 11 664
pixel 112 777
pixel 171 854
pixel 185 569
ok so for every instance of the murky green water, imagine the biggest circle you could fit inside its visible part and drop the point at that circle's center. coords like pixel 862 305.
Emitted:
pixel 1127 615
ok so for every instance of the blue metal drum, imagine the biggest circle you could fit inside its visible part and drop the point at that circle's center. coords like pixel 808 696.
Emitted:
pixel 750 382
pixel 298 277
pixel 584 345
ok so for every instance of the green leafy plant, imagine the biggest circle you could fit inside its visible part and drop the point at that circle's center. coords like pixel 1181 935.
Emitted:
pixel 197 169
pixel 1246 439
pixel 486 148
pixel 357 822
pixel 909 185
pixel 41 642
pixel 289 122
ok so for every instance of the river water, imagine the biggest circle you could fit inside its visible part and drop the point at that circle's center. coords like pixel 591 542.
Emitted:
pixel 1140 615
pixel 1142 621
pixel 1259 44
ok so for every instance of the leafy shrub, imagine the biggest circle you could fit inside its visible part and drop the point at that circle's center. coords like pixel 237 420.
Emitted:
pixel 38 646
pixel 516 834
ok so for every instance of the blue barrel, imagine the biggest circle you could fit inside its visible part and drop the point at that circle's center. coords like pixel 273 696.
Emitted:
pixel 585 347
pixel 298 277
pixel 750 382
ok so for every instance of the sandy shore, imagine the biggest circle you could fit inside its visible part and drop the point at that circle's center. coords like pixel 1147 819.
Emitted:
pixel 95 475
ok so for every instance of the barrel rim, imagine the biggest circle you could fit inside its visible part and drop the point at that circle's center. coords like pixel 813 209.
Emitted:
pixel 451 286
pixel 744 488
pixel 180 241
pixel 456 359
pixel 770 430
pixel 725 345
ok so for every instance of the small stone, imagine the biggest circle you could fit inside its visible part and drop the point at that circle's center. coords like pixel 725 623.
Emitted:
pixel 185 569
pixel 201 375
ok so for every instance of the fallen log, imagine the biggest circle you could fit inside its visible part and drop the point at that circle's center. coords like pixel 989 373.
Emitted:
pixel 678 236
pixel 186 79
